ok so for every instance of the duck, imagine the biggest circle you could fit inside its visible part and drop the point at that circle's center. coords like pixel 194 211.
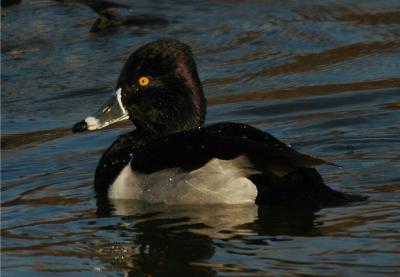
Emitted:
pixel 173 157
pixel 109 20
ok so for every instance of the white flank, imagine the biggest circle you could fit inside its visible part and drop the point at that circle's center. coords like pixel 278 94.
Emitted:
pixel 218 181
pixel 125 186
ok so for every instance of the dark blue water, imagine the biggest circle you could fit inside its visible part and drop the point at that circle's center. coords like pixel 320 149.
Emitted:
pixel 323 76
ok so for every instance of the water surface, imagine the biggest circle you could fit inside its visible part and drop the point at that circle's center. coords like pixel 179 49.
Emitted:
pixel 323 76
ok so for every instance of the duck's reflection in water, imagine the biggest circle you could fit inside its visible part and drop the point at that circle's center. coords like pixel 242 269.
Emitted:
pixel 154 240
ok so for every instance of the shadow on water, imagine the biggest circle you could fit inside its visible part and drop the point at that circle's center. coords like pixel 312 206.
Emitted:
pixel 10 141
pixel 179 240
pixel 15 140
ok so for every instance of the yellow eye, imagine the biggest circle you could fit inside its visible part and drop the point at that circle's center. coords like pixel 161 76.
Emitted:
pixel 143 81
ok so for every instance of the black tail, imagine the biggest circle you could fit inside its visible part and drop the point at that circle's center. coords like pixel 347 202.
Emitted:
pixel 301 188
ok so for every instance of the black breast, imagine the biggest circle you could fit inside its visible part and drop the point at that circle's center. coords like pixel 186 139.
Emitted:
pixel 114 159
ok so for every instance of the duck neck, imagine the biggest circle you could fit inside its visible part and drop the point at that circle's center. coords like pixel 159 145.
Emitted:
pixel 155 131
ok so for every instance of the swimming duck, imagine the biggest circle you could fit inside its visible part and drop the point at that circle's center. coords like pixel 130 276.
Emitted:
pixel 172 157
pixel 110 20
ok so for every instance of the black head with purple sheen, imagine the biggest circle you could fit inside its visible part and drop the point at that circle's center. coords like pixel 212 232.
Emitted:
pixel 160 90
pixel 173 98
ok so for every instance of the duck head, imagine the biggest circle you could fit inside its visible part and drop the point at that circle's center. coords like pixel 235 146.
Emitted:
pixel 159 90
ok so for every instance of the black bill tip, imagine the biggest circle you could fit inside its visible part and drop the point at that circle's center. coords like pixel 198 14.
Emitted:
pixel 80 127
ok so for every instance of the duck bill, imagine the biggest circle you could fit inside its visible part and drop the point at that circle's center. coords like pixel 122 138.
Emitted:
pixel 111 112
